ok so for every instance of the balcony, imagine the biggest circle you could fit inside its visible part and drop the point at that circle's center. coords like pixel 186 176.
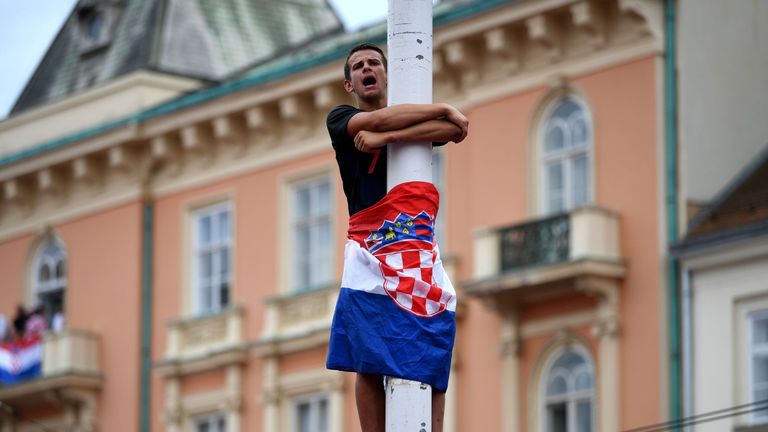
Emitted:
pixel 205 342
pixel 298 321
pixel 70 366
pixel 546 256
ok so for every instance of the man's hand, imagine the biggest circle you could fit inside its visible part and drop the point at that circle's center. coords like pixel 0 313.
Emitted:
pixel 456 117
pixel 366 141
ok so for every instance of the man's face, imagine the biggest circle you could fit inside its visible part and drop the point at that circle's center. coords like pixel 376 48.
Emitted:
pixel 368 77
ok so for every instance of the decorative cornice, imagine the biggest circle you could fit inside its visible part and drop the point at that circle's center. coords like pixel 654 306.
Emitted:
pixel 650 12
pixel 501 51
pixel 209 361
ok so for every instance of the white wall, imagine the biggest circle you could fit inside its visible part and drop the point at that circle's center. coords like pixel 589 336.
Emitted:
pixel 723 89
pixel 726 287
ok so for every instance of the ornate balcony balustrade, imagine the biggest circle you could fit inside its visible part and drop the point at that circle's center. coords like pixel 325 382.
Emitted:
pixel 203 342
pixel 71 351
pixel 71 369
pixel 297 321
pixel 542 242
pixel 584 242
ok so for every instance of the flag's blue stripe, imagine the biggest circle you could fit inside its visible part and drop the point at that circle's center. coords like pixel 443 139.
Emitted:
pixel 371 334
pixel 8 378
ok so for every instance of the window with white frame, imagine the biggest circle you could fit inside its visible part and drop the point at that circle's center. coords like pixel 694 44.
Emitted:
pixel 311 413
pixel 568 385
pixel 212 258
pixel 50 278
pixel 758 354
pixel 311 232
pixel 566 161
pixel 211 423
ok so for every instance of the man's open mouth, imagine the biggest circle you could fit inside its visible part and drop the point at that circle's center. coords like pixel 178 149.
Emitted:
pixel 367 81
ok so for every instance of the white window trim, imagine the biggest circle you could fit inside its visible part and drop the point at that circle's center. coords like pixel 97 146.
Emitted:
pixel 744 309
pixel 208 417
pixel 551 357
pixel 37 285
pixel 540 160
pixel 279 411
pixel 33 287
pixel 285 216
pixel 192 300
pixel 312 398
pixel 752 316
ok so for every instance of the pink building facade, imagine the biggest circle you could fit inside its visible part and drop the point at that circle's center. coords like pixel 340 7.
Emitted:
pixel 202 239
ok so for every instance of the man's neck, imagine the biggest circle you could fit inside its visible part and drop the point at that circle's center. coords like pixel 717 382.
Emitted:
pixel 372 105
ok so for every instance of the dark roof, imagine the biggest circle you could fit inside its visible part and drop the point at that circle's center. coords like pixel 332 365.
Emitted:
pixel 739 212
pixel 207 39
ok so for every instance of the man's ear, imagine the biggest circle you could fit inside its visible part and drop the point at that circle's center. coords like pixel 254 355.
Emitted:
pixel 348 86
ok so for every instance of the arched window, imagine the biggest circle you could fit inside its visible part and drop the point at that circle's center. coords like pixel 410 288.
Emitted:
pixel 49 276
pixel 568 389
pixel 565 156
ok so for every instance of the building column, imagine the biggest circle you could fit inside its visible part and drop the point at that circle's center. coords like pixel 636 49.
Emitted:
pixel 336 403
pixel 509 349
pixel 234 401
pixel 172 405
pixel 451 398
pixel 87 415
pixel 606 331
pixel 270 396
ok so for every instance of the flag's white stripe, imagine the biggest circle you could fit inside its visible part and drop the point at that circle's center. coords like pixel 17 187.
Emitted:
pixel 362 272
pixel 21 360
pixel 30 356
pixel 5 359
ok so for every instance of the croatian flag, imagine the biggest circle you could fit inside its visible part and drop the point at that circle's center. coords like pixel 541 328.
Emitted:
pixel 395 315
pixel 20 360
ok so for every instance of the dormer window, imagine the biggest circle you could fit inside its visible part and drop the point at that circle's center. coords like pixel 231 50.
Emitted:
pixel 94 25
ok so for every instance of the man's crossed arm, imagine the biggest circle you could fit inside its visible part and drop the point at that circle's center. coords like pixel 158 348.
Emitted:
pixel 407 123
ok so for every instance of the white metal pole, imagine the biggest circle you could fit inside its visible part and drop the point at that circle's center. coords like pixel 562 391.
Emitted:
pixel 409 406
pixel 409 42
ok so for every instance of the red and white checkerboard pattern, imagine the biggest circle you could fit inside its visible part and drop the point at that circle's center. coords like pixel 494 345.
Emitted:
pixel 408 279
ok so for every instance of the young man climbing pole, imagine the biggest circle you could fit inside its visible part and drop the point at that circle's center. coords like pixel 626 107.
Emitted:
pixel 386 322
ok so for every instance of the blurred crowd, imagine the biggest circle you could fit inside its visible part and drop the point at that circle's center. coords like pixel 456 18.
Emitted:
pixel 29 324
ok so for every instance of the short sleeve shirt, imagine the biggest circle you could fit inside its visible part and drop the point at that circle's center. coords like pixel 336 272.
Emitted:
pixel 363 175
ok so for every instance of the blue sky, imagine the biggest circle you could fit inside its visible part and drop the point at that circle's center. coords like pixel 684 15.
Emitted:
pixel 27 27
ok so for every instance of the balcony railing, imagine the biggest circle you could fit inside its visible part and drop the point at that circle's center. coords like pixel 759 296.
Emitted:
pixel 297 314
pixel 70 351
pixel 587 234
pixel 197 336
pixel 69 361
pixel 541 242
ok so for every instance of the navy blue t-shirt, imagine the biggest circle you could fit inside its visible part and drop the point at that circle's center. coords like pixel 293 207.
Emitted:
pixel 363 175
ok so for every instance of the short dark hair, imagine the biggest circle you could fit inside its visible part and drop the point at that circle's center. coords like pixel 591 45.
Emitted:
pixel 362 47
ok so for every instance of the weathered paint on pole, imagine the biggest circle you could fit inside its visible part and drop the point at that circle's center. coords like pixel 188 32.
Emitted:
pixel 409 406
pixel 409 42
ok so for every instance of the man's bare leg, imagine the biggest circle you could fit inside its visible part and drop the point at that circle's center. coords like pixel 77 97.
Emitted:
pixel 369 395
pixel 438 411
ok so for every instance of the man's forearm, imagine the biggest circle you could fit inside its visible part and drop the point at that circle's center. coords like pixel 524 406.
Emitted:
pixel 398 117
pixel 428 131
